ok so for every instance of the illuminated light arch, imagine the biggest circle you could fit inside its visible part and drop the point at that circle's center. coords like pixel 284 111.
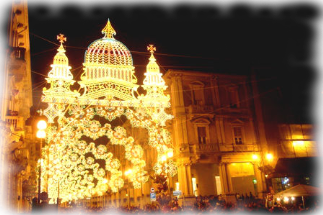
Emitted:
pixel 74 166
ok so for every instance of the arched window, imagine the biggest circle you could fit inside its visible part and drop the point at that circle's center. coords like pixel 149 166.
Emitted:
pixel 202 130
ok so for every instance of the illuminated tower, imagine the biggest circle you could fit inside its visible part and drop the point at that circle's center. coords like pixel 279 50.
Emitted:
pixel 155 86
pixel 60 79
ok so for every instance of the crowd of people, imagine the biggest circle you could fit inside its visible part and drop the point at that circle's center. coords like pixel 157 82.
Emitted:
pixel 207 205
pixel 244 204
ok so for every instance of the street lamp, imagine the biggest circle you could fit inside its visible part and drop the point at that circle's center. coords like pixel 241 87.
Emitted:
pixel 41 125
pixel 269 157
pixel 261 161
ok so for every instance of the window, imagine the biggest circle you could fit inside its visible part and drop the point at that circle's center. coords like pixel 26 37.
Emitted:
pixel 201 134
pixel 234 97
pixel 237 131
pixel 197 93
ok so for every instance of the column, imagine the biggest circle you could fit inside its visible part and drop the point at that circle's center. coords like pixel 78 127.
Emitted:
pixel 261 183
pixel 223 178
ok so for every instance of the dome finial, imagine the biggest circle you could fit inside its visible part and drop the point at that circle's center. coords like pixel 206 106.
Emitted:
pixel 108 30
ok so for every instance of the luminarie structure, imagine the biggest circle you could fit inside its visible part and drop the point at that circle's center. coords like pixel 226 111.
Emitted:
pixel 76 164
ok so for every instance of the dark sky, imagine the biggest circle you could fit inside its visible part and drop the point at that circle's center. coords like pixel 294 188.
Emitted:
pixel 273 42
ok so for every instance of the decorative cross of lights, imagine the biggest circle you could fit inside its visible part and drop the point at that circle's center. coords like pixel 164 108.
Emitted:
pixel 151 48
pixel 61 38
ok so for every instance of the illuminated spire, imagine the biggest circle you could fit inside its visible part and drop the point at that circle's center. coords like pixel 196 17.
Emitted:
pixel 153 75
pixel 108 30
pixel 152 65
pixel 61 69
pixel 155 86
pixel 60 79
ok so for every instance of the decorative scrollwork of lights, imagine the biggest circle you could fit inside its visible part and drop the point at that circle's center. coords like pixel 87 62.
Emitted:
pixel 77 163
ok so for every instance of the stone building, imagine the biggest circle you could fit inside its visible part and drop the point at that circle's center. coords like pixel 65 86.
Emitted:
pixel 16 100
pixel 217 144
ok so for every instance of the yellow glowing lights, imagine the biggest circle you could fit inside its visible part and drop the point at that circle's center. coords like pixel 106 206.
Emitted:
pixel 298 143
pixel 163 158
pixel 269 157
pixel 286 199
pixel 255 157
pixel 41 134
pixel 42 125
pixel 77 168
pixel 128 172
pixel 177 186
pixel 170 153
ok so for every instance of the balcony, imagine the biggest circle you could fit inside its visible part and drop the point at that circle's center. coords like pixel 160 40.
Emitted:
pixel 14 122
pixel 206 148
pixel 238 148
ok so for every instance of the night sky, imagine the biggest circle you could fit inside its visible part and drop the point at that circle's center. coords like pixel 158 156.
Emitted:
pixel 275 43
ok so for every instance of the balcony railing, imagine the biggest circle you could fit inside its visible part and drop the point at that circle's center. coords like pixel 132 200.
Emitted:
pixel 215 147
pixel 238 148
pixel 14 122
pixel 208 147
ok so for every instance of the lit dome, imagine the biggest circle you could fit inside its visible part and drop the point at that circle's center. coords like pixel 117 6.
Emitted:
pixel 108 69
pixel 107 60
pixel 107 50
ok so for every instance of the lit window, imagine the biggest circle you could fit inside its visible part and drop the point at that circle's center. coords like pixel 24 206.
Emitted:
pixel 202 130
pixel 237 135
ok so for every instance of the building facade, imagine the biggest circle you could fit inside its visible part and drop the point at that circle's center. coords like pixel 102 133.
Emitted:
pixel 16 101
pixel 217 145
